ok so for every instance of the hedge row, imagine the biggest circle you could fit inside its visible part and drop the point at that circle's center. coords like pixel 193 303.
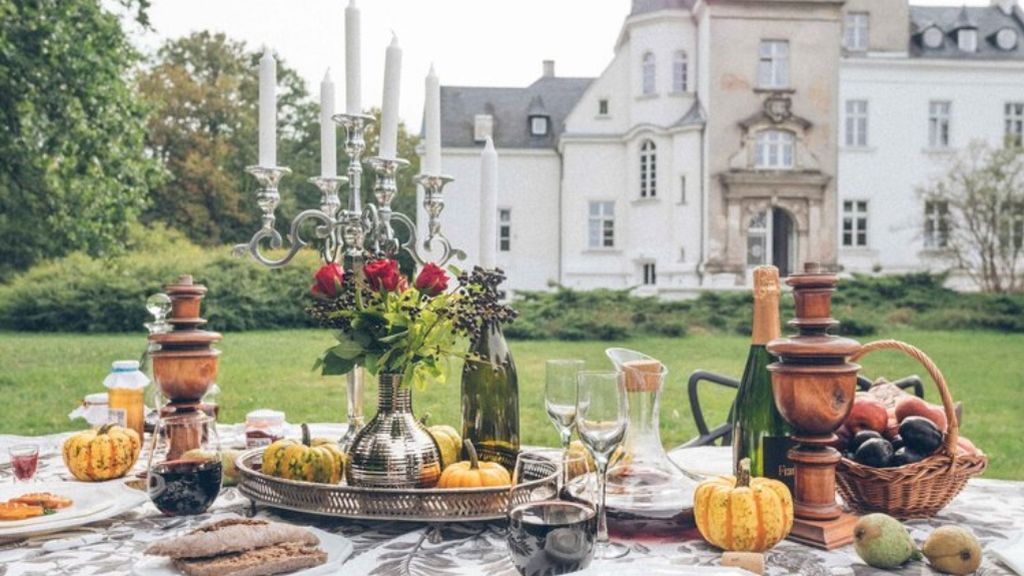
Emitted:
pixel 81 294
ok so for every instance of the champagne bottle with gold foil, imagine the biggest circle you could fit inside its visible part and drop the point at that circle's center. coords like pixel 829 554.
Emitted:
pixel 758 430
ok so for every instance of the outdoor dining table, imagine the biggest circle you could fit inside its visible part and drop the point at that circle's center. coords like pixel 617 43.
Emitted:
pixel 993 509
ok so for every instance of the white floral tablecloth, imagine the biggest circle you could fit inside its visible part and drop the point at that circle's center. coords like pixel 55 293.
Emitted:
pixel 993 509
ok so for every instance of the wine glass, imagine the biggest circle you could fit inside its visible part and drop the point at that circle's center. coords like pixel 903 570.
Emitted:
pixel 560 396
pixel 550 530
pixel 24 461
pixel 602 414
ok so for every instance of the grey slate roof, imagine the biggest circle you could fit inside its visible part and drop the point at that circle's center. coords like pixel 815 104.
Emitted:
pixel 696 116
pixel 511 108
pixel 987 19
pixel 644 6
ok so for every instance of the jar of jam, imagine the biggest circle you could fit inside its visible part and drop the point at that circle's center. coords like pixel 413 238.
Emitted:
pixel 263 427
pixel 125 385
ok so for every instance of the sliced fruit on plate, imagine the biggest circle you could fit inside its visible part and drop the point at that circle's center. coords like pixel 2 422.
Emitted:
pixel 17 511
pixel 44 499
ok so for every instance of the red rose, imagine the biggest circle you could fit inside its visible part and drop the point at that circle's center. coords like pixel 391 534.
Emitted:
pixel 328 281
pixel 432 280
pixel 384 274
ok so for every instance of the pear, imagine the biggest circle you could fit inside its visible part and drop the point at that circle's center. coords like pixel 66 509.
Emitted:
pixel 881 541
pixel 953 549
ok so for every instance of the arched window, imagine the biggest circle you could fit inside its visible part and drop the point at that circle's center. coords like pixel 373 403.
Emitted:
pixel 649 74
pixel 648 170
pixel 774 150
pixel 679 69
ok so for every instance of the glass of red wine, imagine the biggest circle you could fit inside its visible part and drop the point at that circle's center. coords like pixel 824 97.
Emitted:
pixel 551 531
pixel 24 461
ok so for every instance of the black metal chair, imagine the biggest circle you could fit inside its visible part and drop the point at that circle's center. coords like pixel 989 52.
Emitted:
pixel 722 434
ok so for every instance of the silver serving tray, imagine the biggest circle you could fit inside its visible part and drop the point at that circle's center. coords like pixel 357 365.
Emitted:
pixel 402 505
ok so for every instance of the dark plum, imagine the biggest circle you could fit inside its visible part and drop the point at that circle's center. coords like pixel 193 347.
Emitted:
pixel 875 452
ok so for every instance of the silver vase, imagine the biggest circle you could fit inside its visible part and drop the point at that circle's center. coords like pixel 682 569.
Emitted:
pixel 394 450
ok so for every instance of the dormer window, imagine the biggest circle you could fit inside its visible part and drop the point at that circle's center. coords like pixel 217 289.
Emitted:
pixel 483 127
pixel 539 125
pixel 967 39
pixel 932 38
pixel 1006 39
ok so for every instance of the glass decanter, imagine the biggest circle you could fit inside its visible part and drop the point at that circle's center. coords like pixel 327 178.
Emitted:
pixel 185 466
pixel 647 494
pixel 159 306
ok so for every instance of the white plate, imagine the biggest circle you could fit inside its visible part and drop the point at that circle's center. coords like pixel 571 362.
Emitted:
pixel 655 567
pixel 338 549
pixel 114 495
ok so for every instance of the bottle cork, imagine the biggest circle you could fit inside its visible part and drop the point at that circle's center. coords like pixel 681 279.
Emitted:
pixel 643 375
pixel 749 561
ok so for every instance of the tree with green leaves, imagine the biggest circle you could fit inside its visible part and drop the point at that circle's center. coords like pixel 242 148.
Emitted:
pixel 977 215
pixel 204 92
pixel 73 167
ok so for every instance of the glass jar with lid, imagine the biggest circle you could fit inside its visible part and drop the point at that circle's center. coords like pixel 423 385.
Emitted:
pixel 263 427
pixel 125 386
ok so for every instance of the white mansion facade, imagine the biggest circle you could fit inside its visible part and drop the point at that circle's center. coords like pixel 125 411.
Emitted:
pixel 727 133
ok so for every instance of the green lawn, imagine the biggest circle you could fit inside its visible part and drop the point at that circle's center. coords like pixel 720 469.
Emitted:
pixel 42 377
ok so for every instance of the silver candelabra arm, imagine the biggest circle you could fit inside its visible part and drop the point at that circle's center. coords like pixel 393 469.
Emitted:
pixel 268 198
pixel 385 188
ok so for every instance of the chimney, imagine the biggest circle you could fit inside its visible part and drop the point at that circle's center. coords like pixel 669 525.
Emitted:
pixel 549 68
pixel 1006 6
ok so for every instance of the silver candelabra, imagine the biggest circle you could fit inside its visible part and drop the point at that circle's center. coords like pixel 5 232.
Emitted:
pixel 353 233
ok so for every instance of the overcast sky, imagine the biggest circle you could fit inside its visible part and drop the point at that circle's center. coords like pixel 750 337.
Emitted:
pixel 471 42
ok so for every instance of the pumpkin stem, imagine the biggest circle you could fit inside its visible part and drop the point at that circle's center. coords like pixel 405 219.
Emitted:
pixel 743 478
pixel 474 461
pixel 424 418
pixel 305 434
pixel 105 428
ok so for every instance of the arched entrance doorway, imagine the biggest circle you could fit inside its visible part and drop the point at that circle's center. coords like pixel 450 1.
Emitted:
pixel 771 240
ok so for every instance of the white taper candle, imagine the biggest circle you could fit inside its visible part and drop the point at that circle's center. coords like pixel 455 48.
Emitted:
pixel 328 135
pixel 389 107
pixel 432 124
pixel 353 82
pixel 268 110
pixel 489 206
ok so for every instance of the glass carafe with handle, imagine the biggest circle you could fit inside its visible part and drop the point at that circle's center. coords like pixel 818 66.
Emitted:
pixel 648 495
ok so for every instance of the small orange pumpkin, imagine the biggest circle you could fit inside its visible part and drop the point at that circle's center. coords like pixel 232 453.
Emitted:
pixel 474 473
pixel 743 514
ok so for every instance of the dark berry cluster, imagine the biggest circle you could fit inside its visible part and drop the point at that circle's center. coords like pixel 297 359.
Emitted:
pixel 480 303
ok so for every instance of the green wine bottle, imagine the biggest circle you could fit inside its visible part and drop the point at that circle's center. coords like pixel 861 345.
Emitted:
pixel 490 398
pixel 758 430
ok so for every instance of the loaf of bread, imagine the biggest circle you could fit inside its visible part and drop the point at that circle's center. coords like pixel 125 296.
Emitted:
pixel 232 536
pixel 276 559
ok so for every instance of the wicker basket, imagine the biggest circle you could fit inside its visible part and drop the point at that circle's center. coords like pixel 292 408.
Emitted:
pixel 917 490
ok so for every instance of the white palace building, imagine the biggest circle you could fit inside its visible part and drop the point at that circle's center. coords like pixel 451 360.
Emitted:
pixel 726 134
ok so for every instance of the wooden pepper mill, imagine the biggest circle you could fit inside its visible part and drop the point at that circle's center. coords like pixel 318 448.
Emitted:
pixel 814 387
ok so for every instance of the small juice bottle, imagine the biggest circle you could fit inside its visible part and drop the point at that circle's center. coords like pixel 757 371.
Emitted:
pixel 125 385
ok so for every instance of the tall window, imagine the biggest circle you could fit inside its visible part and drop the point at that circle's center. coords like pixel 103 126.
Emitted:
pixel 650 273
pixel 773 64
pixel 857 123
pixel 855 31
pixel 682 189
pixel 938 124
pixel 774 150
pixel 936 224
pixel 855 223
pixel 648 170
pixel 602 107
pixel 1015 123
pixel 649 74
pixel 757 239
pixel 679 70
pixel 1011 226
pixel 601 225
pixel 967 40
pixel 505 229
